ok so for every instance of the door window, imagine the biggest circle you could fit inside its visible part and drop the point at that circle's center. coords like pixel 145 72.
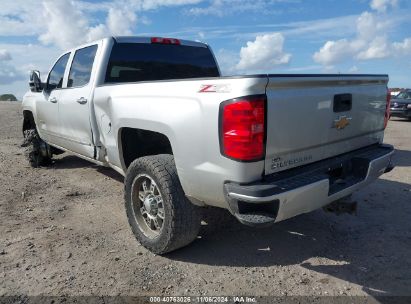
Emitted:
pixel 55 79
pixel 80 71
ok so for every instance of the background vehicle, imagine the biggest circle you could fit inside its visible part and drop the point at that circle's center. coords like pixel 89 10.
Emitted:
pixel 265 147
pixel 395 91
pixel 401 105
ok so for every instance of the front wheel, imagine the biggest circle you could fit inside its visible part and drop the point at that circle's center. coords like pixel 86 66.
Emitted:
pixel 37 151
pixel 161 217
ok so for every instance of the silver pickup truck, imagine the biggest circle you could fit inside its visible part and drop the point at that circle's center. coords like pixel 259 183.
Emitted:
pixel 265 147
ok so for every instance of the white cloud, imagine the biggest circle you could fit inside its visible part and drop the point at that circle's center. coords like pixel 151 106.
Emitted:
pixel 322 27
pixel 301 69
pixel 68 26
pixel 67 23
pixel 263 53
pixel 153 4
pixel 62 24
pixel 353 69
pixel 402 48
pixel 383 5
pixel 227 60
pixel 366 45
pixel 14 73
pixel 312 30
pixel 120 22
pixel 145 20
pixel 4 55
pixel 13 27
pixel 8 74
pixel 370 42
pixel 335 51
pixel 378 48
pixel 131 5
pixel 368 25
pixel 225 7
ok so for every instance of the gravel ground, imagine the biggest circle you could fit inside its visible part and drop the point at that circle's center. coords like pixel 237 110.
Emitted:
pixel 64 232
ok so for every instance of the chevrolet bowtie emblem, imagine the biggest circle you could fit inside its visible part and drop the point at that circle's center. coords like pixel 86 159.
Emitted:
pixel 342 122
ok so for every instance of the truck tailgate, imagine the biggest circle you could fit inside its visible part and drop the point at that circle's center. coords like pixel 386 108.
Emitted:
pixel 310 118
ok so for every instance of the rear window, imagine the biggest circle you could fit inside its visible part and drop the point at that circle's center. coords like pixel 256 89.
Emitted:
pixel 132 62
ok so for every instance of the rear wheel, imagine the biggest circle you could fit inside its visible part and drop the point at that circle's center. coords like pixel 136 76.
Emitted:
pixel 37 151
pixel 161 217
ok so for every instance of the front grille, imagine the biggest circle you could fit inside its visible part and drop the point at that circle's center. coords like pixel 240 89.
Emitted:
pixel 399 106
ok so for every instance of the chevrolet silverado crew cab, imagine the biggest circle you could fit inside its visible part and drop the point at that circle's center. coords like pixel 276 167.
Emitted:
pixel 156 110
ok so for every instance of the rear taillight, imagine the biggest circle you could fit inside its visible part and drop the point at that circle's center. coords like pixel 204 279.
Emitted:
pixel 160 40
pixel 387 110
pixel 242 128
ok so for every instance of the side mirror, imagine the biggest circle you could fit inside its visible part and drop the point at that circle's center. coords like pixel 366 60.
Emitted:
pixel 35 82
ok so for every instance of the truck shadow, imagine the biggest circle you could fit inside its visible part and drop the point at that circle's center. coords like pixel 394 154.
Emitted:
pixel 67 161
pixel 402 158
pixel 73 162
pixel 371 249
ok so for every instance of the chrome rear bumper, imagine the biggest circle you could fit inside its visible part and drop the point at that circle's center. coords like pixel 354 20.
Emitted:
pixel 305 189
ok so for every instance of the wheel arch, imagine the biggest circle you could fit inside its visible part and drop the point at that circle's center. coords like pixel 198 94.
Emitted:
pixel 134 143
pixel 28 121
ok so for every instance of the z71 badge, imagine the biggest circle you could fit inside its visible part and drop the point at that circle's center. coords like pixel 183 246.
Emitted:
pixel 215 88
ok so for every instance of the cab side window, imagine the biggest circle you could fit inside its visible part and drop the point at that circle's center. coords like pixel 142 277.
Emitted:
pixel 55 79
pixel 81 67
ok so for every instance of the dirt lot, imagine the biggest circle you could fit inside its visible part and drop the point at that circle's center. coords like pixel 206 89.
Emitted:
pixel 64 232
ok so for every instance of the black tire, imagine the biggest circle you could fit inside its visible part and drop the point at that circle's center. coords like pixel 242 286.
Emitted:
pixel 32 149
pixel 182 219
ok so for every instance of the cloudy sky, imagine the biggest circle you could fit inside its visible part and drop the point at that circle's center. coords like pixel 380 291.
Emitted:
pixel 248 36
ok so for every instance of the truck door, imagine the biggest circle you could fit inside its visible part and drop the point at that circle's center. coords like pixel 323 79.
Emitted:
pixel 75 103
pixel 47 102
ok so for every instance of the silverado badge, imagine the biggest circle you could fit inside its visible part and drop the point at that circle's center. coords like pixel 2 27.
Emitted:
pixel 342 122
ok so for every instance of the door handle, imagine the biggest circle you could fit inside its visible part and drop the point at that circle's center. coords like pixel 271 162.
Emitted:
pixel 82 100
pixel 53 100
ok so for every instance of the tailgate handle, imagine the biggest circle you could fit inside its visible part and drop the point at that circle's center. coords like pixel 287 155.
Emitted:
pixel 342 102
